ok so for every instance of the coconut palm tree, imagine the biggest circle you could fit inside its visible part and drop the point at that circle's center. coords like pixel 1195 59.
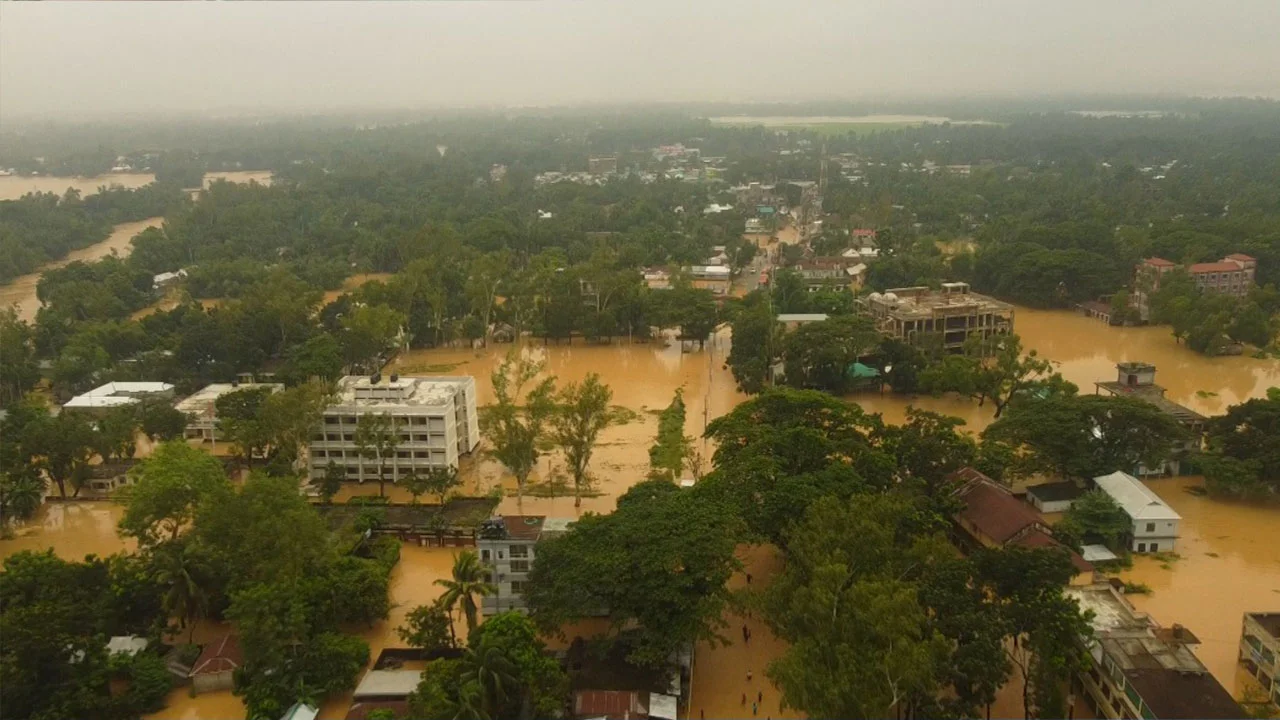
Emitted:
pixel 470 578
pixel 179 573
pixel 494 672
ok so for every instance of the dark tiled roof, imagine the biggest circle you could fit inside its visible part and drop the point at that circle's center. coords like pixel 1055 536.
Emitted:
pixel 993 510
pixel 1054 492
pixel 218 656
pixel 1174 695
pixel 1036 538
pixel 523 527
pixel 610 703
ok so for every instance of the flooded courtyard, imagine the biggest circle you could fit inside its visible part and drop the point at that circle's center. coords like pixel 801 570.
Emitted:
pixel 1230 554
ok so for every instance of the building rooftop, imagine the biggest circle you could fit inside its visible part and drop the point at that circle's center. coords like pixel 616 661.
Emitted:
pixel 1158 262
pixel 221 655
pixel 1055 492
pixel 1175 695
pixel 923 302
pixel 203 402
pixel 1097 553
pixel 1153 394
pixel 114 394
pixel 1139 501
pixel 1269 622
pixel 612 704
pixel 801 317
pixel 1212 267
pixel 1242 257
pixel 1037 538
pixel 400 391
pixel 388 683
pixel 993 510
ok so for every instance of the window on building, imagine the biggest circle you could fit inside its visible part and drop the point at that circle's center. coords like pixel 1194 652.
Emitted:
pixel 421 454
pixel 1142 547
pixel 518 586
pixel 349 437
pixel 1155 547
pixel 1151 527
pixel 319 453
pixel 484 555
pixel 519 551
pixel 519 566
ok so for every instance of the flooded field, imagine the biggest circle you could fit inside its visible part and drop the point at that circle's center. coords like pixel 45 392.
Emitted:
pixel 354 282
pixel 1230 554
pixel 22 290
pixel 13 187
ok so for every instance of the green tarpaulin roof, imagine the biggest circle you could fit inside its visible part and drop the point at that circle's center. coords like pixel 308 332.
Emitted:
pixel 861 372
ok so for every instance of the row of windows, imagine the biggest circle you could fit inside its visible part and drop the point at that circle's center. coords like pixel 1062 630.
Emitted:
pixel 438 438
pixel 400 454
pixel 419 420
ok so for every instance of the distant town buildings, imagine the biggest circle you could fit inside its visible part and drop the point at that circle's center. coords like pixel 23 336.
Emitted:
pixel 507 545
pixel 1232 275
pixel 1260 651
pixel 1138 380
pixel 116 394
pixel 830 273
pixel 949 317
pixel 716 278
pixel 1143 670
pixel 201 408
pixel 602 164
pixel 1154 523
pixel 435 417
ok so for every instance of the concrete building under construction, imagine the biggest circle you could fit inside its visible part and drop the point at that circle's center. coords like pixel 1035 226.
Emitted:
pixel 948 317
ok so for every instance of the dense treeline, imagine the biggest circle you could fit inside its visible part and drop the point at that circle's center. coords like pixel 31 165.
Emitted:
pixel 40 227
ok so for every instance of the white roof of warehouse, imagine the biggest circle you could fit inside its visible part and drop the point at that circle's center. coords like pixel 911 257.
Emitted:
pixel 116 393
pixel 1135 498
pixel 388 683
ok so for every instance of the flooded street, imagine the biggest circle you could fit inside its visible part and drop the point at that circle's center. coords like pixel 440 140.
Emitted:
pixel 1230 554
pixel 22 290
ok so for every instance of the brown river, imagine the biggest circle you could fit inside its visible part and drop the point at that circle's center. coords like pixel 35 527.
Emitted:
pixel 1230 554
pixel 21 291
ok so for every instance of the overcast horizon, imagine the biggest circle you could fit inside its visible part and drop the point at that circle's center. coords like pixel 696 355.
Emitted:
pixel 90 60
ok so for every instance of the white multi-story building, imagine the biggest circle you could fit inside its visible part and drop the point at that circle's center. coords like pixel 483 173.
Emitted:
pixel 435 417
pixel 507 545
pixel 201 408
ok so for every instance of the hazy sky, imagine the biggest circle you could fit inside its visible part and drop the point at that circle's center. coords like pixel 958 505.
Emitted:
pixel 91 59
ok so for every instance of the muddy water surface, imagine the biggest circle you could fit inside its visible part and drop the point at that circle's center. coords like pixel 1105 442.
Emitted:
pixel 21 292
pixel 1230 554
pixel 13 187
pixel 1228 563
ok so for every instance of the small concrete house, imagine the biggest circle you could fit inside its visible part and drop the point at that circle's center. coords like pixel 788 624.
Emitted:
pixel 1155 524
pixel 217 663
pixel 1053 497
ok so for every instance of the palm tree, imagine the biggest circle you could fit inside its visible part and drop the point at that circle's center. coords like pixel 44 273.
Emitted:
pixel 493 671
pixel 179 573
pixel 470 578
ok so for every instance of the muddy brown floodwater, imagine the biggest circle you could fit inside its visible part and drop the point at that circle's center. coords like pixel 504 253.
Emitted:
pixel 21 292
pixel 1230 553
pixel 13 187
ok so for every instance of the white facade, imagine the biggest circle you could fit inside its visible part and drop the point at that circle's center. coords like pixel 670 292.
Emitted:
pixel 1155 524
pixel 507 547
pixel 201 408
pixel 435 417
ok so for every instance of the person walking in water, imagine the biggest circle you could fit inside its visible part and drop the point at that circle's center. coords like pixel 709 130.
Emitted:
pixel 746 634
pixel 748 676
pixel 760 696
pixel 744 699
pixel 753 708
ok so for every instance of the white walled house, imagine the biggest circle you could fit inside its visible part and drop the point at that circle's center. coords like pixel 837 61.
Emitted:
pixel 1155 524
pixel 435 416
pixel 507 545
